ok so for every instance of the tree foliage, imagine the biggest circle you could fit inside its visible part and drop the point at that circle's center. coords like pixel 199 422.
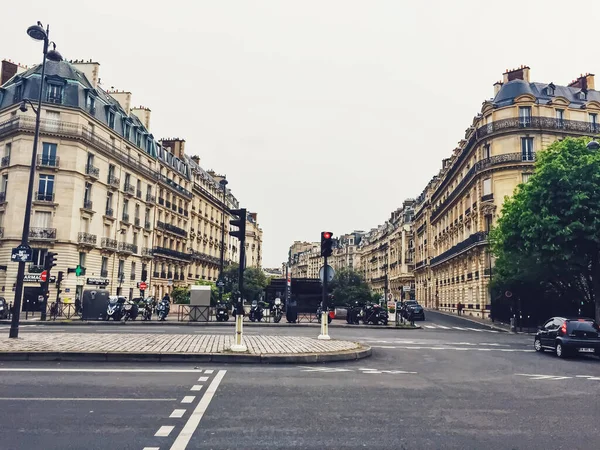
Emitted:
pixel 255 281
pixel 181 295
pixel 547 239
pixel 348 286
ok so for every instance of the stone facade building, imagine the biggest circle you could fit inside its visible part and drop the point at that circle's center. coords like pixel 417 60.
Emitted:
pixel 456 210
pixel 108 195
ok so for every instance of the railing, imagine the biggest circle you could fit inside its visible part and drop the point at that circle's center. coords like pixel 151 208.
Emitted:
pixel 420 264
pixel 136 221
pixel 199 256
pixel 86 238
pixel 487 197
pixel 421 228
pixel 147 252
pixel 108 243
pixel 161 201
pixel 472 241
pixel 87 204
pixel 62 310
pixel 44 197
pixel 155 274
pixel 121 277
pixel 171 228
pixel 92 171
pixel 479 166
pixel 150 198
pixel 169 274
pixel 42 234
pixel 132 276
pixel 113 181
pixel 109 212
pixel 163 274
pixel 180 210
pixel 147 225
pixel 125 217
pixel 127 248
pixel 45 161
pixel 193 313
pixel 36 268
pixel 138 193
pixel 162 251
pixel 1 232
pixel 2 197
pixel 129 189
pixel 185 213
pixel 512 124
pixel 5 161
pixel 174 185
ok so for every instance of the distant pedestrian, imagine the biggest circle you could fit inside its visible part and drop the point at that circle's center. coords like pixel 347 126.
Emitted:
pixel 11 310
pixel 77 306
pixel 459 308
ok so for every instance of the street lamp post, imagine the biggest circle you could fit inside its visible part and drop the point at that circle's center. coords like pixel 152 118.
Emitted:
pixel 220 283
pixel 38 33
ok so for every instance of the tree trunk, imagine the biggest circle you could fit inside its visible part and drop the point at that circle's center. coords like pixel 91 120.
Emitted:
pixel 596 283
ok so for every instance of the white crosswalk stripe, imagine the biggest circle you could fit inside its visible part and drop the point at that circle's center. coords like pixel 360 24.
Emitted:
pixel 435 326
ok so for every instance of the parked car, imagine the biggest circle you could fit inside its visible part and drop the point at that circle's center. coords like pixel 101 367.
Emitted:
pixel 417 310
pixel 568 336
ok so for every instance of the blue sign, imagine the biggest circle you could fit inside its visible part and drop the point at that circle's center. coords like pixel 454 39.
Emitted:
pixel 22 253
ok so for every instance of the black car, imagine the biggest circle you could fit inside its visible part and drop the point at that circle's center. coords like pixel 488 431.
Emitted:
pixel 417 310
pixel 568 336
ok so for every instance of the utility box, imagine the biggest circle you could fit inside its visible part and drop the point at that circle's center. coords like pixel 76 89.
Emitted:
pixel 94 303
pixel 199 303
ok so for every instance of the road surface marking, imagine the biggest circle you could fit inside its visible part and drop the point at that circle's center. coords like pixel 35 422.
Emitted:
pixel 177 414
pixel 86 399
pixel 164 431
pixel 323 369
pixel 443 348
pixel 151 448
pixel 203 379
pixel 100 370
pixel 460 328
pixel 428 326
pixel 475 329
pixel 209 371
pixel 542 377
pixel 196 387
pixel 192 424
pixel 588 377
pixel 443 327
pixel 188 399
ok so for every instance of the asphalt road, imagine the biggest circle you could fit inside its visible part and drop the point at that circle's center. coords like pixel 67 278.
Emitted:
pixel 434 388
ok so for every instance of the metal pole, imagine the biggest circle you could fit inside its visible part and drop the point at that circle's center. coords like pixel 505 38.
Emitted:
pixel 223 184
pixel 239 345
pixel 324 313
pixel 14 325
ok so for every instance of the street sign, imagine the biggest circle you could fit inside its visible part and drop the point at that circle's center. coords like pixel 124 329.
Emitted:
pixel 330 273
pixel 143 286
pixel 98 281
pixel 508 294
pixel 220 284
pixel 22 253
pixel 43 276
pixel 79 270
pixel 36 278
pixel 406 288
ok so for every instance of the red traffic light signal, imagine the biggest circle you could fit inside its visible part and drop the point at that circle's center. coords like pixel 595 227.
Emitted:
pixel 326 235
pixel 44 276
pixel 326 243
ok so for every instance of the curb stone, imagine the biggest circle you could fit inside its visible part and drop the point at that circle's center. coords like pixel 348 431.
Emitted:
pixel 228 358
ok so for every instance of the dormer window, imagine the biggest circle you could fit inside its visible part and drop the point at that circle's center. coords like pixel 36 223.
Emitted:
pixel 54 93
pixel 90 104
pixel 18 93
pixel 582 95
pixel 550 89
pixel 138 138
pixel 126 130
pixel 110 118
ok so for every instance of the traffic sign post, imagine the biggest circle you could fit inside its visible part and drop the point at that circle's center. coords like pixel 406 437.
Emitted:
pixel 143 286
pixel 44 276
pixel 22 253
pixel 326 273
pixel 330 273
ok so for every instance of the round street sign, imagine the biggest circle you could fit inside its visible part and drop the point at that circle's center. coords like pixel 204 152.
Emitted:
pixel 330 273
pixel 508 294
pixel 143 286
pixel 43 276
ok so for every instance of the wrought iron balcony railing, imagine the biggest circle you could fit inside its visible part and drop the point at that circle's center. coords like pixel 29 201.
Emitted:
pixel 5 161
pixel 129 189
pixel 42 234
pixel 171 228
pixel 113 181
pixel 150 198
pixel 44 197
pixel 88 204
pixel 162 251
pixel 92 171
pixel 109 212
pixel 86 238
pixel 108 243
pixel 472 241
pixel 47 161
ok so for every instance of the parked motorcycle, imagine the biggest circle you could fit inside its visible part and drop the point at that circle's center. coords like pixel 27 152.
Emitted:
pixel 330 314
pixel 277 310
pixel 354 312
pixel 162 309
pixel 375 314
pixel 256 312
pixel 146 307
pixel 222 312
pixel 130 310
pixel 114 310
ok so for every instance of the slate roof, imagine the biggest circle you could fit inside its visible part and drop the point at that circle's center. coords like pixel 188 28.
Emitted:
pixel 513 89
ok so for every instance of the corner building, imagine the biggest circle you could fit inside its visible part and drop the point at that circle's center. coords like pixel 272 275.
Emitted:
pixel 461 203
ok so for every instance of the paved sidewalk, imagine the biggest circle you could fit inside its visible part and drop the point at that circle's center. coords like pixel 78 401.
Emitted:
pixel 497 325
pixel 176 347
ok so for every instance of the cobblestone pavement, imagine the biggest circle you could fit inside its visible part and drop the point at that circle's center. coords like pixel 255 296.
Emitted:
pixel 172 343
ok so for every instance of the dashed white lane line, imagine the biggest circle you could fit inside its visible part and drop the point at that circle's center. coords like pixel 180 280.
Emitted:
pixel 475 329
pixel 177 414
pixel 429 326
pixel 209 371
pixel 203 379
pixel 443 327
pixel 188 399
pixel 191 425
pixel 151 448
pixel 460 328
pixel 196 387
pixel 164 431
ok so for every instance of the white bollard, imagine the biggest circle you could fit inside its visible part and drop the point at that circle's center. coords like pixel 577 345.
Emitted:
pixel 239 345
pixel 324 327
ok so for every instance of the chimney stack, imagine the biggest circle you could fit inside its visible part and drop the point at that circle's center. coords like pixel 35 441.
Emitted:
pixel 90 69
pixel 520 73
pixel 9 69
pixel 196 159
pixel 176 146
pixel 497 86
pixel 584 82
pixel 124 99
pixel 143 114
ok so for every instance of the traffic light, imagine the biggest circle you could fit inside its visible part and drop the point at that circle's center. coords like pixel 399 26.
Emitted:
pixel 60 277
pixel 144 274
pixel 240 222
pixel 50 260
pixel 326 243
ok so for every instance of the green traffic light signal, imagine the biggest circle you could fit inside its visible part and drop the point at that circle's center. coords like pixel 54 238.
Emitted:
pixel 79 271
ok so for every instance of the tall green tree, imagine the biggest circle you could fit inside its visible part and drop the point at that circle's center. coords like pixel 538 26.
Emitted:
pixel 255 281
pixel 348 286
pixel 548 235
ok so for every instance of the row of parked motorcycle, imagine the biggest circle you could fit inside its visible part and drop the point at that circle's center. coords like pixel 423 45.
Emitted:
pixel 122 309
pixel 369 313
pixel 257 311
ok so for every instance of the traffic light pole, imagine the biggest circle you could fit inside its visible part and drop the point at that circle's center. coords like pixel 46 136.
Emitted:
pixel 239 345
pixel 324 312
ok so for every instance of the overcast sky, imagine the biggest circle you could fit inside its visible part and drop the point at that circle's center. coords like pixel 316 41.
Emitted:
pixel 357 101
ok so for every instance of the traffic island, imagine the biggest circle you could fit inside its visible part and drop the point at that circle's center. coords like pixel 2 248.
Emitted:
pixel 104 347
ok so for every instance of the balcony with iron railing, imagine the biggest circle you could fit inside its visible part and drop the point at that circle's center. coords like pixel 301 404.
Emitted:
pixel 146 252
pixel 121 277
pixel 138 193
pixel 108 243
pixel 150 198
pixel 125 247
pixel 52 162
pixel 477 168
pixel 42 234
pixel 155 274
pixel 129 189
pixel 169 274
pixel 113 181
pixel 2 197
pixel 35 268
pixel 171 228
pixel 86 238
pixel 487 197
pixel 163 274
pixel 147 225
pixel 103 273
pixel 476 239
pixel 1 232
pixel 92 171
pixel 88 204
pixel 161 201
pixel 136 221
pixel 168 203
pixel 46 197
pixel 109 212
pixel 163 251
pixel 125 217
